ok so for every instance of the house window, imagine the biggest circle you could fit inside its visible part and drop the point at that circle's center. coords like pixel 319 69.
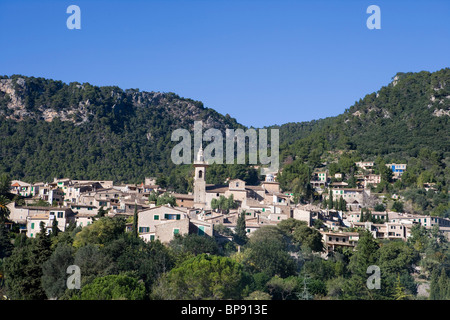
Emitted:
pixel 248 230
pixel 200 174
pixel 152 237
pixel 32 227
pixel 201 230
pixel 176 231
pixel 156 217
pixel 61 214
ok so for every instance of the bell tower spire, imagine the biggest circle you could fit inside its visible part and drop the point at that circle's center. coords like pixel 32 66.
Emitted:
pixel 199 179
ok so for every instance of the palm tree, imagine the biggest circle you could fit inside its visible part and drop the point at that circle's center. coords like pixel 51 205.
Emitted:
pixel 4 210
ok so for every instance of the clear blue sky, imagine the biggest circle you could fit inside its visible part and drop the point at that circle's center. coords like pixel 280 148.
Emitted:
pixel 263 62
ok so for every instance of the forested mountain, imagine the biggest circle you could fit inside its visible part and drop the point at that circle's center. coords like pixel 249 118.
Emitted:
pixel 407 121
pixel 52 129
pixel 410 113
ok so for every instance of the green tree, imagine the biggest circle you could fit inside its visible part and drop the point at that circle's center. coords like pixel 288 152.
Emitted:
pixel 55 229
pixel 23 269
pixel 308 237
pixel 330 200
pixel 443 284
pixel 6 246
pixel 19 283
pixel 5 184
pixel 166 199
pixel 135 222
pixel 54 271
pixel 146 260
pixel 101 212
pixel 288 226
pixel 397 206
pixel 419 238
pixel 202 277
pixel 193 244
pixel 113 287
pixel 435 293
pixel 282 289
pixel 240 232
pixel 102 231
pixel 396 257
pixel 224 204
pixel 258 295
pixel 153 197
pixel 366 254
pixel 268 251
pixel 342 205
pixel 93 263
pixel 4 210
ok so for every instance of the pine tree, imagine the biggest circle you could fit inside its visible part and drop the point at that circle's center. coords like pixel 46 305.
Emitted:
pixel 23 269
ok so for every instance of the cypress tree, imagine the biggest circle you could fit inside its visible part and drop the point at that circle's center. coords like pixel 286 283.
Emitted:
pixel 443 285
pixel 330 200
pixel 135 222
pixel 434 287
pixel 240 233
pixel 55 229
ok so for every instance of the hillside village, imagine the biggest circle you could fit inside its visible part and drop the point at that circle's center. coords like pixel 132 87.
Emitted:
pixel 66 201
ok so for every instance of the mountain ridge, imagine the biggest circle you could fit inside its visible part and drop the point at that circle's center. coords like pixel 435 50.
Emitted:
pixel 88 130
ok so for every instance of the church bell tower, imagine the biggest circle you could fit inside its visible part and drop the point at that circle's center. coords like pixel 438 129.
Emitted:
pixel 199 180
